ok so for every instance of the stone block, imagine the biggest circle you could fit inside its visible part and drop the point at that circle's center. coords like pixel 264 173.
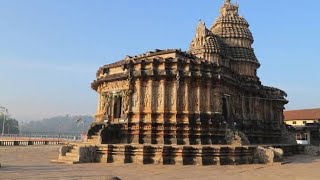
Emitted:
pixel 264 155
pixel 88 154
pixel 63 150
pixel 278 153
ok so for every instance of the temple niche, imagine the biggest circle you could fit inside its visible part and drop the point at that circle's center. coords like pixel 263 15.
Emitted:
pixel 167 103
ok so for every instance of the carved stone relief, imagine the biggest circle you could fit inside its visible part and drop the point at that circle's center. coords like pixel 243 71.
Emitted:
pixel 160 96
pixel 147 92
pixel 115 86
pixel 125 102
pixel 135 98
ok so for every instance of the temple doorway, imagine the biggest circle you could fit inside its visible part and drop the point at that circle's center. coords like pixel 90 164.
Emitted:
pixel 117 107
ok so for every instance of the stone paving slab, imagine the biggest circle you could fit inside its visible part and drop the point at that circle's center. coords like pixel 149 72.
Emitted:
pixel 33 162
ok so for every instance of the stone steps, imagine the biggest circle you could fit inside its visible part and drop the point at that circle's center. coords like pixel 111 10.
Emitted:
pixel 71 157
pixel 73 154
pixel 68 158
pixel 76 151
pixel 64 162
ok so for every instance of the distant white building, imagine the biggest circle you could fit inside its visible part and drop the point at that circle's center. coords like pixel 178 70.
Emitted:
pixel 306 123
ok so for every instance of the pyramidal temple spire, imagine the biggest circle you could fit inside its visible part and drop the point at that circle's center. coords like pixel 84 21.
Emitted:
pixel 229 9
pixel 229 2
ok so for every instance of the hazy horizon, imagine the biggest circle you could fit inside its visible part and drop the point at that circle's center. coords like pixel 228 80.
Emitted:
pixel 50 50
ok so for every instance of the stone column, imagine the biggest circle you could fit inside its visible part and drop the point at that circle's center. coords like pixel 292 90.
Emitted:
pixel 147 111
pixel 208 97
pixel 271 111
pixel 197 111
pixel 154 108
pixel 250 106
pixel 161 96
pixel 99 103
pixel 136 110
pixel 161 110
pixel 98 112
pixel 264 110
pixel 187 109
pixel 173 112
pixel 170 108
pixel 208 112
pixel 197 98
pixel 142 114
pixel 243 106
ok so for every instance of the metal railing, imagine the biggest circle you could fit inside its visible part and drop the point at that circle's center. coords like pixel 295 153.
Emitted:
pixel 42 136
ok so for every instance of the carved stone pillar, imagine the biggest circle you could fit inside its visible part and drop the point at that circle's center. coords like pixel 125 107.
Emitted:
pixel 186 96
pixel 161 96
pixel 205 127
pixel 197 98
pixel 208 97
pixel 243 107
pixel 135 126
pixel 271 111
pixel 160 111
pixel 147 121
pixel 154 107
pixel 264 110
pixel 250 106
pixel 154 96
pixel 173 114
pixel 218 102
pixel 187 110
pixel 136 102
pixel 99 104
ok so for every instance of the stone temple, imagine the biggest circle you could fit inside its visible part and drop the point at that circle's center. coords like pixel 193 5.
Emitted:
pixel 191 107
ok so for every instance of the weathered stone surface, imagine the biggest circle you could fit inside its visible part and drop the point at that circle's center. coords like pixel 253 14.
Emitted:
pixel 63 150
pixel 244 138
pixel 288 137
pixel 264 155
pixel 268 155
pixel 278 153
pixel 236 138
pixel 88 154
pixel 312 150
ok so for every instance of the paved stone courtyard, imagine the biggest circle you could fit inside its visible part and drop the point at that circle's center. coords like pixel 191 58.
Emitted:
pixel 33 162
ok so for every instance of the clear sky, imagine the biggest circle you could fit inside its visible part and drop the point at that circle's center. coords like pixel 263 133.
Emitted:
pixel 51 49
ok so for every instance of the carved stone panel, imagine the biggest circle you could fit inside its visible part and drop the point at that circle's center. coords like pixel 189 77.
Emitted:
pixel 115 86
pixel 146 92
pixel 135 99
pixel 160 96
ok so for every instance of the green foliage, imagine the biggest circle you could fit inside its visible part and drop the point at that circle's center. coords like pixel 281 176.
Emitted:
pixel 11 125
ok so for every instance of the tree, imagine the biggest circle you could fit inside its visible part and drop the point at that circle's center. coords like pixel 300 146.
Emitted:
pixel 11 125
pixel 57 124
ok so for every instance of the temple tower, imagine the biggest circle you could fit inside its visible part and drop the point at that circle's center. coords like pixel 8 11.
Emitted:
pixel 234 30
pixel 208 46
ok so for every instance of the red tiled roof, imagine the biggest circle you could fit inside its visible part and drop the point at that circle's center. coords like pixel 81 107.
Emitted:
pixel 305 114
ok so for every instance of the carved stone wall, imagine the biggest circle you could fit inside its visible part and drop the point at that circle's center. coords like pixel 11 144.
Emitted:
pixel 176 97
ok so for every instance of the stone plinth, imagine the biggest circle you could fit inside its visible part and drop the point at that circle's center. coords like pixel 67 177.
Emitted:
pixel 172 154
